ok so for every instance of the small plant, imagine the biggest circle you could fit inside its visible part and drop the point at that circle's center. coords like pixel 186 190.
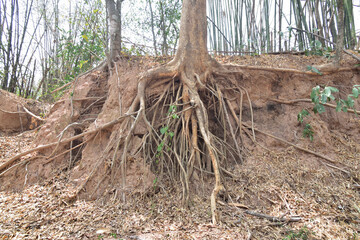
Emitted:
pixel 316 48
pixel 355 236
pixel 313 69
pixel 167 134
pixel 308 132
pixel 166 139
pixel 172 112
pixel 304 113
pixel 319 97
pixel 302 234
pixel 165 131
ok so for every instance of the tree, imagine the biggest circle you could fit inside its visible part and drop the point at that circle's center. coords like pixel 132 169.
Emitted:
pixel 193 66
pixel 160 19
pixel 16 57
pixel 340 36
pixel 70 46
pixel 114 15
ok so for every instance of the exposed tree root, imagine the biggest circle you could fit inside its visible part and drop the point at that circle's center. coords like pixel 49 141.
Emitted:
pixel 37 149
pixel 186 117
pixel 330 164
pixel 179 143
pixel 309 101
pixel 32 114
pixel 288 70
pixel 26 111
pixel 274 219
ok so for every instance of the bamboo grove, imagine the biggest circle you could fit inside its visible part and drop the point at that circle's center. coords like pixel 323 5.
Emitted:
pixel 262 26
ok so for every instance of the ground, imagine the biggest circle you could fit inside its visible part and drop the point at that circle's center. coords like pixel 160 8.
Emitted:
pixel 275 178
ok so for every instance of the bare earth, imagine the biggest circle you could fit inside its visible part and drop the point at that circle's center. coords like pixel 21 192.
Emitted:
pixel 275 179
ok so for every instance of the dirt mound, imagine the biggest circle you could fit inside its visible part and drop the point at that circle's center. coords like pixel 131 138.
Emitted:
pixel 94 102
pixel 98 99
pixel 15 113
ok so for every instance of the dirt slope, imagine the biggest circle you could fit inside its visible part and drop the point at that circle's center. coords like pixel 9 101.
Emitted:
pixel 275 178
pixel 13 116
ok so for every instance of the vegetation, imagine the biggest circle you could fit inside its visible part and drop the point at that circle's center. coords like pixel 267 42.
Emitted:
pixel 45 46
pixel 53 51
pixel 269 26
pixel 321 97
pixel 301 234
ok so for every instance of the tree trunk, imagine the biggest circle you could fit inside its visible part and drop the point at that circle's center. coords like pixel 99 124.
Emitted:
pixel 192 53
pixel 152 27
pixel 114 13
pixel 340 35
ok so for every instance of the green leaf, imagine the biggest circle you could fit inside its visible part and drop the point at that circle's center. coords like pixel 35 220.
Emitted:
pixel 318 44
pixel 316 70
pixel 85 37
pixel 313 69
pixel 318 108
pixel 316 99
pixel 171 134
pixel 338 106
pixel 308 132
pixel 327 91
pixel 302 115
pixel 350 102
pixel 355 92
pixel 82 63
pixel 314 93
pixel 333 89
pixel 160 147
pixel 163 130
pixel 311 137
pixel 324 98
pixel 172 109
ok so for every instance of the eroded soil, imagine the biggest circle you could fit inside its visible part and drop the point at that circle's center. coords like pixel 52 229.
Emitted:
pixel 275 179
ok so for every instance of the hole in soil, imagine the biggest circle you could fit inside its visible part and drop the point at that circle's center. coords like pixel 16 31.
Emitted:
pixel 76 153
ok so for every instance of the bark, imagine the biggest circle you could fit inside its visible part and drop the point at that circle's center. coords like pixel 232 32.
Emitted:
pixel 152 27
pixel 114 13
pixel 340 35
pixel 7 55
pixel 164 48
pixel 192 53
pixel 318 22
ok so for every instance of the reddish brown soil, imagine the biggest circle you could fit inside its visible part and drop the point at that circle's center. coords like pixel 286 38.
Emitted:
pixel 13 117
pixel 275 178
